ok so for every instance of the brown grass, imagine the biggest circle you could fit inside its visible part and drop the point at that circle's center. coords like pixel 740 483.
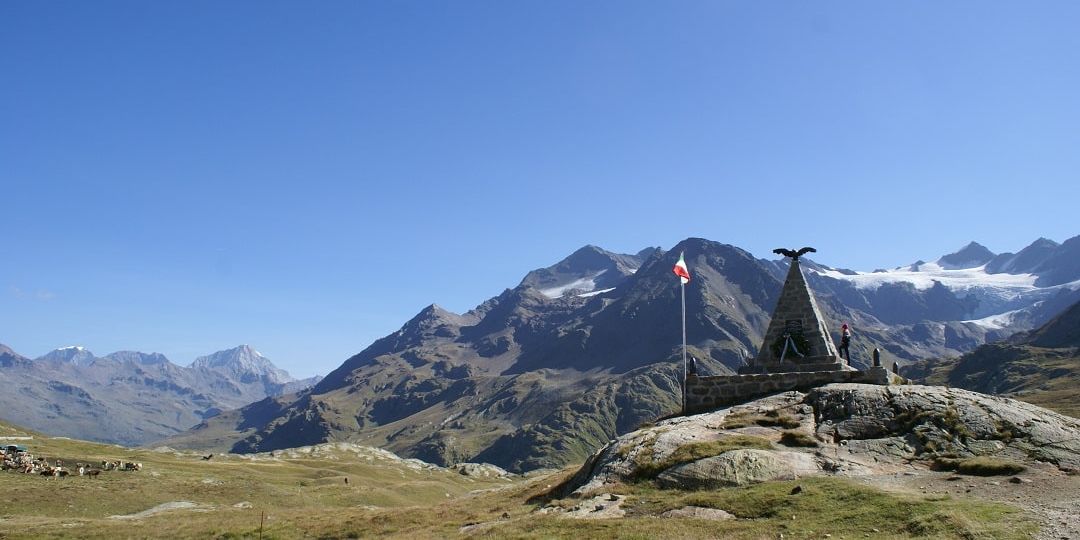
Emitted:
pixel 773 418
pixel 798 439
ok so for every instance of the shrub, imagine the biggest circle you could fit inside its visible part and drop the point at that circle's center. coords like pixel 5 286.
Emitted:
pixel 988 466
pixel 977 466
pixel 773 418
pixel 945 464
pixel 798 438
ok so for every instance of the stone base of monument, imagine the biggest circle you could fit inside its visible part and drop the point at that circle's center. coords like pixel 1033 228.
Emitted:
pixel 807 363
pixel 710 393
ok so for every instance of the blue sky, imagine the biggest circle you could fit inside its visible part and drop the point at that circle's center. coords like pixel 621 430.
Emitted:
pixel 305 177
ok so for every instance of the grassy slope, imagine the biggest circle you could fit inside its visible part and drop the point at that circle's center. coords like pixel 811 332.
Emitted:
pixel 307 497
pixel 1045 377
pixel 295 493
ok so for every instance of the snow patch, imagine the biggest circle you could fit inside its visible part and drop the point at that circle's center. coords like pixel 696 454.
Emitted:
pixel 594 293
pixel 996 322
pixel 927 273
pixel 586 284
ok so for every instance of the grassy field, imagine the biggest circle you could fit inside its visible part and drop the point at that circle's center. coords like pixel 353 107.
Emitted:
pixel 305 496
pixel 299 495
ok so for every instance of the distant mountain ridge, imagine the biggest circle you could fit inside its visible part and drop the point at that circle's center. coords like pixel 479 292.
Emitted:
pixel 1027 261
pixel 1041 366
pixel 542 374
pixel 131 397
pixel 1001 294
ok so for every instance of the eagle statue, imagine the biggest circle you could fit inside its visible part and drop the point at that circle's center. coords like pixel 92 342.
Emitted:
pixel 792 253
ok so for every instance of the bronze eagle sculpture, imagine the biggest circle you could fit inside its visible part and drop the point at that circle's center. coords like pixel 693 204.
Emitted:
pixel 792 253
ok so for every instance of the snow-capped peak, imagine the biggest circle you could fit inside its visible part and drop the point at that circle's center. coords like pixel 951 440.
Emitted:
pixel 74 354
pixel 242 360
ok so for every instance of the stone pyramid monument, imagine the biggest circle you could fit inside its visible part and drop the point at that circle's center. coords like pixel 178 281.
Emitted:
pixel 797 338
pixel 797 354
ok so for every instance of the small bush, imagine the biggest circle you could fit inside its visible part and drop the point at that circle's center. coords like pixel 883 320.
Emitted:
pixel 798 439
pixel 988 466
pixel 773 418
pixel 1005 433
pixel 778 418
pixel 945 464
pixel 977 466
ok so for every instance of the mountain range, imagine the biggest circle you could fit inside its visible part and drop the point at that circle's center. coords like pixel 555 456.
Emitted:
pixel 130 397
pixel 1041 366
pixel 546 372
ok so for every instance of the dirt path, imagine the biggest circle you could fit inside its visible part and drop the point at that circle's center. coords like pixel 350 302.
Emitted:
pixel 1050 496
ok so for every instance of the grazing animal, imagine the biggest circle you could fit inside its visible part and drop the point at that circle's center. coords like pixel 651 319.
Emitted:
pixel 93 472
pixel 792 253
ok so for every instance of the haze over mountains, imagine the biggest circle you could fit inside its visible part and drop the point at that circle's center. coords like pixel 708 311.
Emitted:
pixel 131 397
pixel 544 373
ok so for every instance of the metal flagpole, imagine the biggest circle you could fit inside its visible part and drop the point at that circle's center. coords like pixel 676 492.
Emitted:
pixel 682 287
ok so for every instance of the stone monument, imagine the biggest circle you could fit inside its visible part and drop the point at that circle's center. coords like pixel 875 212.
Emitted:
pixel 797 353
pixel 797 338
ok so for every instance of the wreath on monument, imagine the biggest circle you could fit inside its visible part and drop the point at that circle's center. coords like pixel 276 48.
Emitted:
pixel 797 339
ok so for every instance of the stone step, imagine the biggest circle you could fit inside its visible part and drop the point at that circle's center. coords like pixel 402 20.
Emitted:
pixel 824 366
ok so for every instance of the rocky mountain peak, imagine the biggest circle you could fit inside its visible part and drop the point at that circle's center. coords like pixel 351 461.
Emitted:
pixel 970 256
pixel 588 269
pixel 648 252
pixel 1043 242
pixel 9 358
pixel 138 357
pixel 435 311
pixel 434 320
pixel 77 355
pixel 244 361
pixel 1027 261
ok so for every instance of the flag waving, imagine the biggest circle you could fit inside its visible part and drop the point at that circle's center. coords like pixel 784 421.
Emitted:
pixel 681 271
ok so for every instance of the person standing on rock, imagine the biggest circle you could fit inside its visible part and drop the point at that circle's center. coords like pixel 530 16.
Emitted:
pixel 845 343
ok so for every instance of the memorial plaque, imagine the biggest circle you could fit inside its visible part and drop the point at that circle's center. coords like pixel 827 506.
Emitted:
pixel 793 326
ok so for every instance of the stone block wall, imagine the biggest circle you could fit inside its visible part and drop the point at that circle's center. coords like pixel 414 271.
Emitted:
pixel 709 393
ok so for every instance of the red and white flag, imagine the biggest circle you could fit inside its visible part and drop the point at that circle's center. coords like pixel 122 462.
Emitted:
pixel 681 271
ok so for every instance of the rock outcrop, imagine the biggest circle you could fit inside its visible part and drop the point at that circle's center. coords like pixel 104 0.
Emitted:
pixel 839 429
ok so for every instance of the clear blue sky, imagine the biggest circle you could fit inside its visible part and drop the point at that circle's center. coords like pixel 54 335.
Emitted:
pixel 183 177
